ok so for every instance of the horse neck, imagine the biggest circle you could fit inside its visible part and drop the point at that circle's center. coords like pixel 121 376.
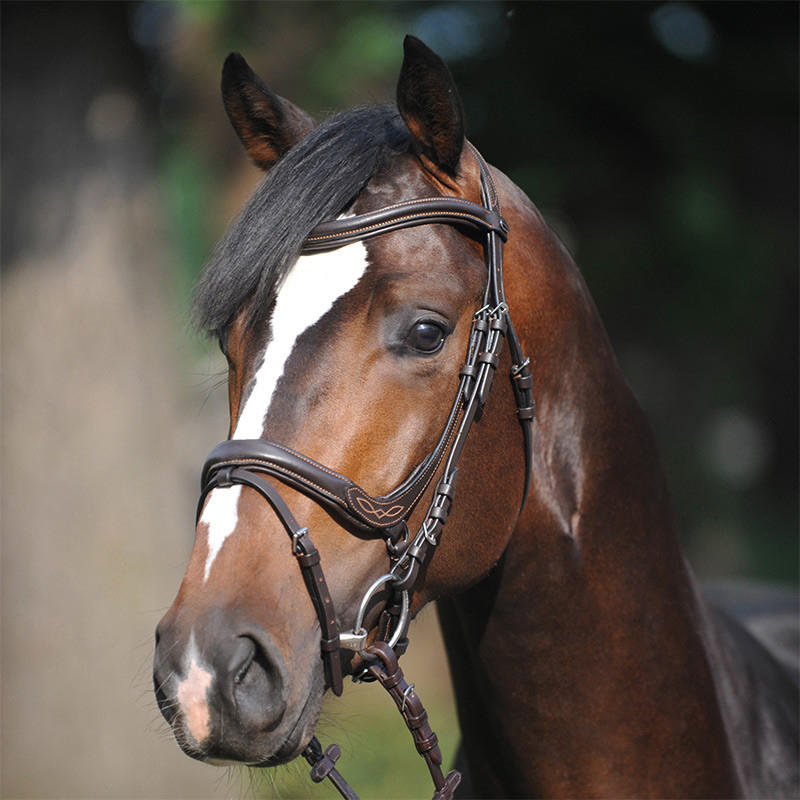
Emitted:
pixel 577 662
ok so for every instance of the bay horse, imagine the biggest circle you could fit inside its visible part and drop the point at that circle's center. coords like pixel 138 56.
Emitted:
pixel 364 299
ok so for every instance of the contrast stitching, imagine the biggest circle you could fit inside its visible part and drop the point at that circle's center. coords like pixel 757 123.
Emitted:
pixel 310 462
pixel 431 472
pixel 386 223
pixel 269 467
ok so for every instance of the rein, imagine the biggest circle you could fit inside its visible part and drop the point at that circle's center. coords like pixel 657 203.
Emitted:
pixel 244 461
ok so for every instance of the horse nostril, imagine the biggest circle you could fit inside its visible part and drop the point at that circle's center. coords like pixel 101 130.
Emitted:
pixel 243 655
pixel 222 690
pixel 257 685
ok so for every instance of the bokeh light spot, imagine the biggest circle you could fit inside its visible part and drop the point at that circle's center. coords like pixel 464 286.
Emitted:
pixel 684 31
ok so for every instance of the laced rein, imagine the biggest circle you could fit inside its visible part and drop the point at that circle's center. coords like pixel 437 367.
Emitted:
pixel 241 461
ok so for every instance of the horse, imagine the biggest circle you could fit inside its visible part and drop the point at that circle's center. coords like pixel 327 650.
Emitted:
pixel 365 298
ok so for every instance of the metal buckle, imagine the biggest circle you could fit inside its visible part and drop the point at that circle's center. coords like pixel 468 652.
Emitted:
pixel 406 693
pixel 428 534
pixel 296 536
pixel 516 369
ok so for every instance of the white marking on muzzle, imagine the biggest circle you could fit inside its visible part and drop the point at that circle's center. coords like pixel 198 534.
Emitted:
pixel 192 696
pixel 308 292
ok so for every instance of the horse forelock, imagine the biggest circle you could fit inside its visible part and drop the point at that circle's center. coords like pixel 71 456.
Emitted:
pixel 316 180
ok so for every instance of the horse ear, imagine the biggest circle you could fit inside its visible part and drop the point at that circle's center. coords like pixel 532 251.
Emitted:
pixel 430 105
pixel 267 124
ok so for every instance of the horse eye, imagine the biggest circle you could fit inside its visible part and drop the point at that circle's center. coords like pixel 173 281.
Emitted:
pixel 426 337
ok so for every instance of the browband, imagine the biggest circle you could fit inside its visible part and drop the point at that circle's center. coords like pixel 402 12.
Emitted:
pixel 454 210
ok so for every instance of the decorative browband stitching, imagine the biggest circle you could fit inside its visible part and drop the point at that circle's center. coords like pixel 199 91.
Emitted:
pixel 336 233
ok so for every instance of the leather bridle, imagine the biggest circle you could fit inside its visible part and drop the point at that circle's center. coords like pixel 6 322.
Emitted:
pixel 246 461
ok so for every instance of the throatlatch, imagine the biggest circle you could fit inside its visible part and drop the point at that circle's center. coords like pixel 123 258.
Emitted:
pixel 240 462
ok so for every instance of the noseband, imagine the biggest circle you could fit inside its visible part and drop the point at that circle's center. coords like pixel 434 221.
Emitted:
pixel 246 461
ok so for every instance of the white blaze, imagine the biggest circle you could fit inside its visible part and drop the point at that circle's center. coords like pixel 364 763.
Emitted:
pixel 308 292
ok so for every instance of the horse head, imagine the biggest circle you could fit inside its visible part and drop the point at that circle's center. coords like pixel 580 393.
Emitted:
pixel 347 384
pixel 364 301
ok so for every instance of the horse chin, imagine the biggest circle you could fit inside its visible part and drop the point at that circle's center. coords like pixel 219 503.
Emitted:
pixel 300 735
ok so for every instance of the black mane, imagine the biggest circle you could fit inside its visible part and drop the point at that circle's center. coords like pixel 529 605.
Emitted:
pixel 316 180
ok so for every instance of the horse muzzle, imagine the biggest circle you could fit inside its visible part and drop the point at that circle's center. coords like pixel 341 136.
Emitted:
pixel 224 690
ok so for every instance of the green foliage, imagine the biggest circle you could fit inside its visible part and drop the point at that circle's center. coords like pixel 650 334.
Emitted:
pixel 188 185
pixel 376 748
pixel 364 51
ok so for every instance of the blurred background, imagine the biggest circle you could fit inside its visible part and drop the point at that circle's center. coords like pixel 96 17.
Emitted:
pixel 659 139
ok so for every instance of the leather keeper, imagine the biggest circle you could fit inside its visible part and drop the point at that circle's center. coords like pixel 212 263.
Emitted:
pixel 449 786
pixel 446 489
pixel 499 323
pixel 528 412
pixel 401 647
pixel 424 745
pixel 390 681
pixel 309 559
pixel 417 552
pixel 492 359
pixel 327 761
pixel 523 381
pixel 439 512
